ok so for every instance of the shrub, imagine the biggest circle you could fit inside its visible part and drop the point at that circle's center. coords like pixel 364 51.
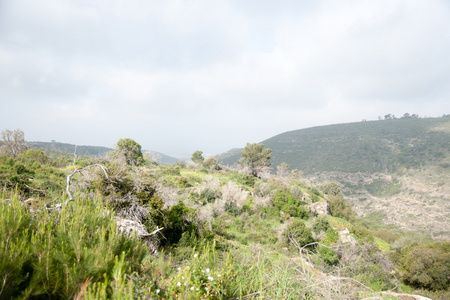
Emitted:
pixel 321 225
pixel 340 208
pixel 53 255
pixel 297 234
pixel 426 266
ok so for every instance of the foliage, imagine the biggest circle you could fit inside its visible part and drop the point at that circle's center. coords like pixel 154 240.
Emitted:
pixel 54 254
pixel 256 158
pixel 132 151
pixel 197 157
pixel 219 222
pixel 380 146
pixel 297 234
pixel 339 207
pixel 288 204
pixel 426 265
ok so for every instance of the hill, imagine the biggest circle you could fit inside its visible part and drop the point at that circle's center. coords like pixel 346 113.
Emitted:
pixel 369 147
pixel 102 229
pixel 95 151
pixel 397 170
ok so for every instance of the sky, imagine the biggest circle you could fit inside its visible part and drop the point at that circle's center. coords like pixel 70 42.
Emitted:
pixel 179 76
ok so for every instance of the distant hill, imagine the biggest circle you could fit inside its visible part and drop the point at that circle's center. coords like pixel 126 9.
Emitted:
pixel 91 150
pixel 70 148
pixel 370 146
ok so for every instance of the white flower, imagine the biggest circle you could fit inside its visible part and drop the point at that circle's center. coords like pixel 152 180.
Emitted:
pixel 196 289
pixel 182 277
pixel 218 275
pixel 195 255
pixel 157 291
pixel 206 288
pixel 192 288
pixel 210 278
pixel 207 270
pixel 178 268
pixel 178 283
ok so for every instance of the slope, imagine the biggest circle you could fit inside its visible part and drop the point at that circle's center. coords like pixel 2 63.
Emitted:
pixel 370 147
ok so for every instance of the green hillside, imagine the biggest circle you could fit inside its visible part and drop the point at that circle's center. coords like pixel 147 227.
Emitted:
pixel 70 148
pixel 91 150
pixel 98 228
pixel 374 146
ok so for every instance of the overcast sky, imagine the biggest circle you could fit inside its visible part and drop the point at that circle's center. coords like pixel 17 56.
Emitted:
pixel 180 76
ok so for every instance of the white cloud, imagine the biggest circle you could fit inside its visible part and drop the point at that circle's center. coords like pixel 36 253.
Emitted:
pixel 187 75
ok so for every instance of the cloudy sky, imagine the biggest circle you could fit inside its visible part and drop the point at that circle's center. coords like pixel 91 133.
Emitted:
pixel 179 76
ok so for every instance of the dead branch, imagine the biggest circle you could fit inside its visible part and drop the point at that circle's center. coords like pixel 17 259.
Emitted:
pixel 151 233
pixel 76 170
pixel 33 189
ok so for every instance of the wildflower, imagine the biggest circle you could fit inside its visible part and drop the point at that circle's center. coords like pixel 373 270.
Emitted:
pixel 207 270
pixel 157 291
pixel 206 288
pixel 195 255
pixel 178 283
pixel 182 277
pixel 192 288
pixel 210 278
pixel 218 275
pixel 178 268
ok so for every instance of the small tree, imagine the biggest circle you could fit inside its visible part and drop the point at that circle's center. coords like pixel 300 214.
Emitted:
pixel 131 150
pixel 256 158
pixel 13 142
pixel 197 157
pixel 283 169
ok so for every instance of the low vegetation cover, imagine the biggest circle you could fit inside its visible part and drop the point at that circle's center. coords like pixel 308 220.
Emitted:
pixel 198 231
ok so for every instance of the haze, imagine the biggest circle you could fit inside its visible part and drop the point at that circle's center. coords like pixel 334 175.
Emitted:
pixel 180 76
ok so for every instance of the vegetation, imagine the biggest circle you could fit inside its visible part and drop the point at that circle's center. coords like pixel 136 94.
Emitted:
pixel 131 150
pixel 144 231
pixel 256 158
pixel 370 147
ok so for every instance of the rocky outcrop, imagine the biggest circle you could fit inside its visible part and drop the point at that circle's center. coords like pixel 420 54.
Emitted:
pixel 345 237
pixel 319 208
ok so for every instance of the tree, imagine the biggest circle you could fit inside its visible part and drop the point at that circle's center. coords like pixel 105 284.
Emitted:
pixel 197 157
pixel 256 158
pixel 131 150
pixel 13 142
pixel 283 169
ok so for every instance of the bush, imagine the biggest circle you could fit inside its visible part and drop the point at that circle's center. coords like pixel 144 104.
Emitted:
pixel 340 208
pixel 426 266
pixel 53 255
pixel 321 225
pixel 297 234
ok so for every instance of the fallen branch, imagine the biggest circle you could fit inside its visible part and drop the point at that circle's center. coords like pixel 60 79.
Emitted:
pixel 33 189
pixel 151 233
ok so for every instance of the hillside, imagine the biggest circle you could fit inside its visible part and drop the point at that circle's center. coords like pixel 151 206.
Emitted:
pixel 397 170
pixel 119 231
pixel 369 147
pixel 95 151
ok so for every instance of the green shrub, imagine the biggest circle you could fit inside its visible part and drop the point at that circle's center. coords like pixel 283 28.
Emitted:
pixel 426 266
pixel 340 208
pixel 53 255
pixel 297 234
pixel 321 225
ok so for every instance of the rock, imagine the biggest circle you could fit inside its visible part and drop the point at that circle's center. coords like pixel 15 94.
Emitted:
pixel 345 237
pixel 319 208
pixel 129 227
pixel 132 228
